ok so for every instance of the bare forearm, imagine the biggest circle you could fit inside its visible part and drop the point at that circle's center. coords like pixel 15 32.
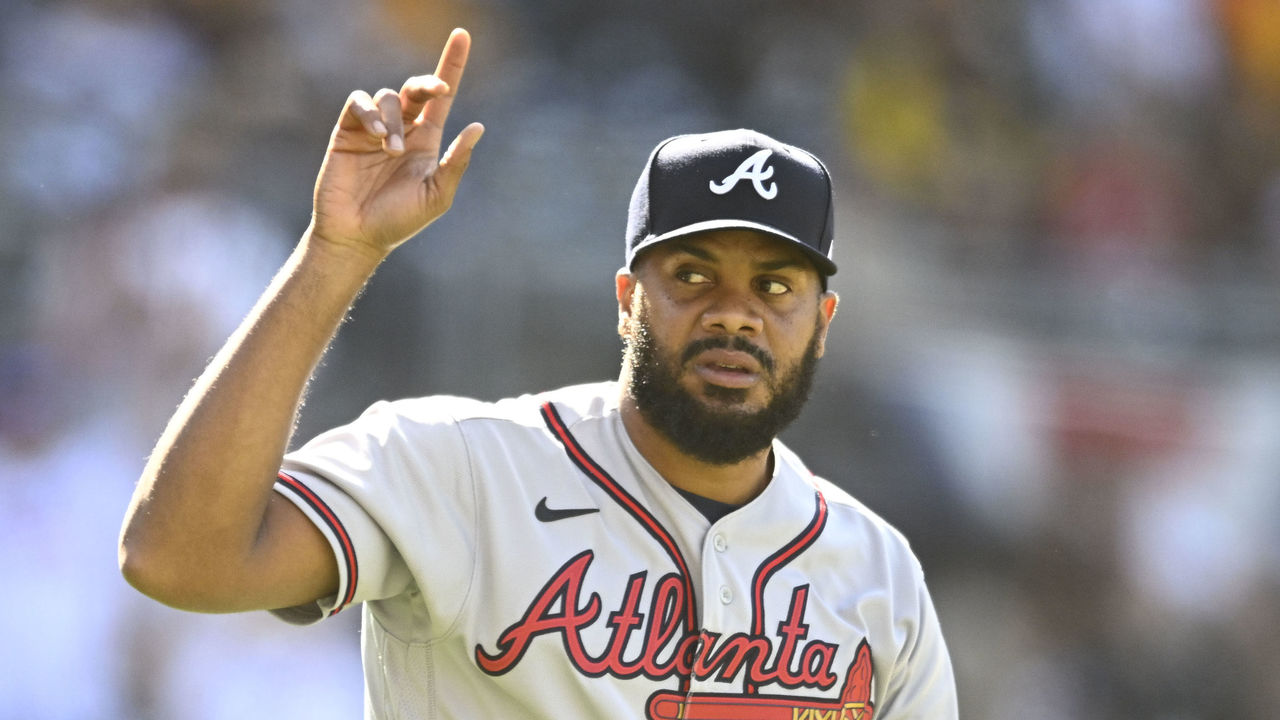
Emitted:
pixel 205 531
pixel 204 493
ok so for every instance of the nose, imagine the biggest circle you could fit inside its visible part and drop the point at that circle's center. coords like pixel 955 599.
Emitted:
pixel 733 313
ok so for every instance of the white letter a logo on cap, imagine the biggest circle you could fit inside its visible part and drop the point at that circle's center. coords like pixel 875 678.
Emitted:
pixel 753 169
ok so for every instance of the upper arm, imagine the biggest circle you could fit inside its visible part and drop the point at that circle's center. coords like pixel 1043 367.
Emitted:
pixel 923 682
pixel 292 562
pixel 287 562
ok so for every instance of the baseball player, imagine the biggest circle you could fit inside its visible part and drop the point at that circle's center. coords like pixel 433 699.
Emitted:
pixel 643 548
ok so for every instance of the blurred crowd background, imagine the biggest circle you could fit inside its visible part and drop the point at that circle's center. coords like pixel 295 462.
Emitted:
pixel 1056 364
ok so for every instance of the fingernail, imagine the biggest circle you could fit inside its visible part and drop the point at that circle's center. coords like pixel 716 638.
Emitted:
pixel 379 128
pixel 396 143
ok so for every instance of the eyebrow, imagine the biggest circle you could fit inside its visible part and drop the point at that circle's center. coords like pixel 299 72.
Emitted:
pixel 689 248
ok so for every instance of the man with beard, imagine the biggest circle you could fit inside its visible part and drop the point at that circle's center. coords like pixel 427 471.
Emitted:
pixel 644 548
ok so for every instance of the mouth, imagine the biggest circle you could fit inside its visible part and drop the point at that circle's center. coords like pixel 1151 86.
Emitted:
pixel 727 368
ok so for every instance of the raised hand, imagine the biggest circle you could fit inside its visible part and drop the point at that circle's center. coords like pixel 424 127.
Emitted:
pixel 205 531
pixel 383 177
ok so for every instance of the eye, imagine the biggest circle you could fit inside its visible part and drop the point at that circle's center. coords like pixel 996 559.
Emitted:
pixel 771 286
pixel 693 277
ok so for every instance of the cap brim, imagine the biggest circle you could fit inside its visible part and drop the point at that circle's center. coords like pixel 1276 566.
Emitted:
pixel 823 263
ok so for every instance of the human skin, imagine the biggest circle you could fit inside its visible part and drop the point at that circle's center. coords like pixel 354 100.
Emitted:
pixel 722 282
pixel 205 530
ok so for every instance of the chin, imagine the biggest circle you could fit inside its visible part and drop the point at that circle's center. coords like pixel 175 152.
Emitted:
pixel 737 399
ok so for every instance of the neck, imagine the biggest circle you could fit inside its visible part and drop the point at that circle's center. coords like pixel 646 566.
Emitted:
pixel 735 484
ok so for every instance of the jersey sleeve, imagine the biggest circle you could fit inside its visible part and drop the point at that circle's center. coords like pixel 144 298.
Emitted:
pixel 922 684
pixel 395 478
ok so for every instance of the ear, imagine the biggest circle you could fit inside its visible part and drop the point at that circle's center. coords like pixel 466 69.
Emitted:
pixel 625 289
pixel 827 303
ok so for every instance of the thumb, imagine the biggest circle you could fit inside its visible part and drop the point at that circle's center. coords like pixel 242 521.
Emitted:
pixel 458 157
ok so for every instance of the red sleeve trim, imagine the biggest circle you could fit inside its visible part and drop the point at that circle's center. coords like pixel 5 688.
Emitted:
pixel 330 518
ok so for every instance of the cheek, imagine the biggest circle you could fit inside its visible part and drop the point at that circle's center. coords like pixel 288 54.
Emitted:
pixel 645 323
pixel 666 316
pixel 793 335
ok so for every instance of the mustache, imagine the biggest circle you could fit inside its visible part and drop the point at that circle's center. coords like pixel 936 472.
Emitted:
pixel 727 342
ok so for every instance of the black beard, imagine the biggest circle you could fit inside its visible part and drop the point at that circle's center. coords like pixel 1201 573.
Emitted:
pixel 715 435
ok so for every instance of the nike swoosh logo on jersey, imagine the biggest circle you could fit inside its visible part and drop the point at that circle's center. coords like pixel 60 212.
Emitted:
pixel 547 514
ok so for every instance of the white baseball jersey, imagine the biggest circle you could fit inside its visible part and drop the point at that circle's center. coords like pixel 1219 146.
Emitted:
pixel 521 559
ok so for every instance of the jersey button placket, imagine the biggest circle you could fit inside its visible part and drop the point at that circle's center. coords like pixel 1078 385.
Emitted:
pixel 715 559
pixel 721 544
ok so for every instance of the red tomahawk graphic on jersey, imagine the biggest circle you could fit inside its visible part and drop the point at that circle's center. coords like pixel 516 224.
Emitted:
pixel 854 702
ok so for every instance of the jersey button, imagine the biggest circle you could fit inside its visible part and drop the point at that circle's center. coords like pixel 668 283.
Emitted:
pixel 726 595
pixel 719 543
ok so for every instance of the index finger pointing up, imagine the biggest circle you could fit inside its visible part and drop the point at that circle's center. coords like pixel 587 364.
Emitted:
pixel 453 60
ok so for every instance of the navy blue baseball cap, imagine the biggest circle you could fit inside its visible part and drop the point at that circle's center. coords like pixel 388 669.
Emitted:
pixel 738 179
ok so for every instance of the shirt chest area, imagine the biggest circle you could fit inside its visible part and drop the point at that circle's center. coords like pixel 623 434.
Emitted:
pixel 591 522
pixel 587 565
pixel 654 595
pixel 621 612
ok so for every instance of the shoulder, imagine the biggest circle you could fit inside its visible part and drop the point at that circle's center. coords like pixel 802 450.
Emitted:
pixel 571 404
pixel 442 435
pixel 852 524
pixel 578 403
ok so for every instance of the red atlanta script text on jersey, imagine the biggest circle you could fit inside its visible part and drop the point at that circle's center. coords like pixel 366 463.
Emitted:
pixel 559 609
